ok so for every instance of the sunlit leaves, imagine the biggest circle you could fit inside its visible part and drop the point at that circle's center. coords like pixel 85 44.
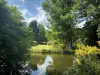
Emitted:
pixel 61 18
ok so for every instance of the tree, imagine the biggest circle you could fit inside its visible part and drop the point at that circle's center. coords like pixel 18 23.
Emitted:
pixel 48 34
pixel 68 14
pixel 13 48
pixel 63 21
pixel 41 37
pixel 33 25
pixel 90 9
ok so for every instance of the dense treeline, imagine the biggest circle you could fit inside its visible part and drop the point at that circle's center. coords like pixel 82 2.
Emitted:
pixel 13 40
pixel 38 32
pixel 64 15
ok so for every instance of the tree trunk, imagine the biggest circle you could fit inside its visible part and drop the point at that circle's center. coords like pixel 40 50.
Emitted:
pixel 68 44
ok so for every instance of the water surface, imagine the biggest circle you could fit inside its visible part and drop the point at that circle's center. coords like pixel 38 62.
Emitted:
pixel 50 64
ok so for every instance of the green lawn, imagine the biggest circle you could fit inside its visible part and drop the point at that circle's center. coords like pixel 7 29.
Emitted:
pixel 45 49
pixel 48 49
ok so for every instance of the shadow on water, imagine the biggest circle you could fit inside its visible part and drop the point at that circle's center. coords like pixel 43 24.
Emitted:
pixel 53 64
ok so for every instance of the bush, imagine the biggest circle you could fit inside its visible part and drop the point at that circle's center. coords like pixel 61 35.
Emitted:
pixel 86 61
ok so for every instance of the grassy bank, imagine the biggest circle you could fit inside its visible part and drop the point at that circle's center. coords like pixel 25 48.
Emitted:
pixel 48 49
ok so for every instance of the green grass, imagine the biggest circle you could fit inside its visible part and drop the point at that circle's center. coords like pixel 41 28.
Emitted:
pixel 41 47
pixel 47 49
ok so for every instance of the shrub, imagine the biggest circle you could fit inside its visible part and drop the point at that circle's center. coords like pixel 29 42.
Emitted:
pixel 87 62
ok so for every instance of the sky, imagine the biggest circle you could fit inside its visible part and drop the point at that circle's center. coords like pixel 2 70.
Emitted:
pixel 30 9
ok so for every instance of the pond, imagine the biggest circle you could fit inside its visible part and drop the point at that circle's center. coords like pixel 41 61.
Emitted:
pixel 50 64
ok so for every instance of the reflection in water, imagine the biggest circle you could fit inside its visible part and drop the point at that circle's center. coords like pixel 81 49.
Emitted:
pixel 50 64
pixel 41 69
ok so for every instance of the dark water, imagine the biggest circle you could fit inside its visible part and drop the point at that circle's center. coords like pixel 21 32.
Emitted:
pixel 50 64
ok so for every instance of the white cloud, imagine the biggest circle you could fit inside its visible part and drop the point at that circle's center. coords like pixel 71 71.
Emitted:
pixel 22 0
pixel 28 20
pixel 24 12
pixel 40 17
pixel 15 5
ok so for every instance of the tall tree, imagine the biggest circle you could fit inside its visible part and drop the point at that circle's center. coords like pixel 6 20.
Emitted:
pixel 13 48
pixel 33 25
pixel 90 10
pixel 61 19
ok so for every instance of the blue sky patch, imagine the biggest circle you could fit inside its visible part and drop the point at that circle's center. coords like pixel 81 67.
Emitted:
pixel 30 9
